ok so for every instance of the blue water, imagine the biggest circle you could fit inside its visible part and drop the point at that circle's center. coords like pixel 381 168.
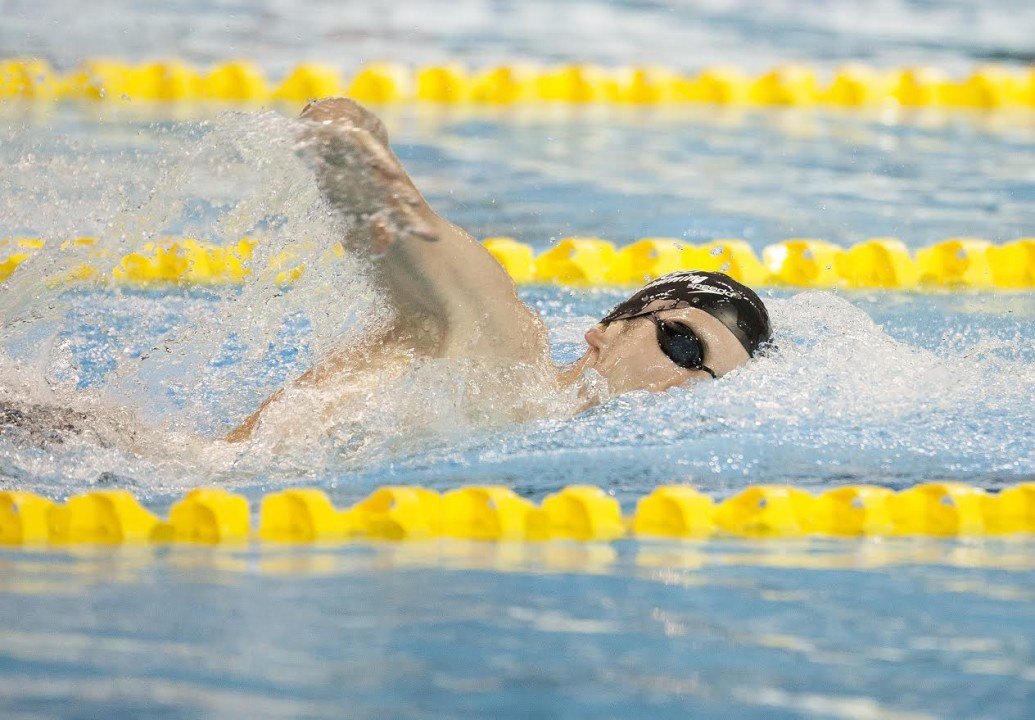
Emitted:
pixel 881 388
pixel 542 173
pixel 885 388
pixel 943 630
pixel 953 34
pixel 838 629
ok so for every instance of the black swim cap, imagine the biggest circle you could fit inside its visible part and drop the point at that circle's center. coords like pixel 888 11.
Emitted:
pixel 734 305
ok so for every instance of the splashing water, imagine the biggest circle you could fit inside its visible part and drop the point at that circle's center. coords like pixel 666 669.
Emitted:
pixel 140 384
pixel 170 359
pixel 838 400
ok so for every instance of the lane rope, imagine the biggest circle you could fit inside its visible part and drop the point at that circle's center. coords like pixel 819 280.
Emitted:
pixel 496 513
pixel 881 263
pixel 851 86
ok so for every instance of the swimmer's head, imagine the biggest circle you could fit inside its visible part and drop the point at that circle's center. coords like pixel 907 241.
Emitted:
pixel 682 327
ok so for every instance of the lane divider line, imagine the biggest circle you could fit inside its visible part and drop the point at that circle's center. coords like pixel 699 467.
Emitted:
pixel 877 263
pixel 495 513
pixel 850 86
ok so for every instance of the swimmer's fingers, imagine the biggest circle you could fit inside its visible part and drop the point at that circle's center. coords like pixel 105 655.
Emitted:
pixel 344 112
pixel 350 142
pixel 328 109
pixel 350 146
pixel 388 226
pixel 387 171
pixel 378 157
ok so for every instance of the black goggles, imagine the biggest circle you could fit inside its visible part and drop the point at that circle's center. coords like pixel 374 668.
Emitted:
pixel 680 344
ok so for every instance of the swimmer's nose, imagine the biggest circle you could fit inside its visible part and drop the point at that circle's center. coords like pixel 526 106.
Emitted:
pixel 595 336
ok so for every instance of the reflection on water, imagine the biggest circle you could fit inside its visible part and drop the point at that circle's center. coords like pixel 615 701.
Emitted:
pixel 660 560
pixel 831 628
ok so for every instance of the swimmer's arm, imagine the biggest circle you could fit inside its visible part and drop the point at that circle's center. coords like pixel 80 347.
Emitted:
pixel 247 427
pixel 451 296
pixel 443 283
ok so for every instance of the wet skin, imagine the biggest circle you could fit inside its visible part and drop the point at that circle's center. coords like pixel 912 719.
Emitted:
pixel 627 354
pixel 450 296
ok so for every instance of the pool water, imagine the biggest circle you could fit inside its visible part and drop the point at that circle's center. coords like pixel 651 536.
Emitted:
pixel 791 630
pixel 877 387
pixel 886 388
pixel 864 387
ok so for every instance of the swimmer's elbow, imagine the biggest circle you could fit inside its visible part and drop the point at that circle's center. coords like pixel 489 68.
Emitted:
pixel 244 431
pixel 241 433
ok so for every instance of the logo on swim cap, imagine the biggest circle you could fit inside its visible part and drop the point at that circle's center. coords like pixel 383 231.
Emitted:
pixel 734 305
pixel 701 283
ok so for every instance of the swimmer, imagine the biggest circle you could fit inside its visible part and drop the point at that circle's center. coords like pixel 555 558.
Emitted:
pixel 452 300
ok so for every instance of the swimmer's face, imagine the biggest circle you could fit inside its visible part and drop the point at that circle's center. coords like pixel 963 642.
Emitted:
pixel 627 353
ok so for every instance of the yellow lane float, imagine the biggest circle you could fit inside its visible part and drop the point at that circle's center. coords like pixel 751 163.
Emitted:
pixel 877 263
pixel 579 262
pixel 766 510
pixel 485 513
pixel 730 256
pixel 853 510
pixel 939 509
pixel 493 513
pixel 108 517
pixel 1013 264
pixel 517 258
pixel 307 82
pixel 211 516
pixel 443 84
pixel 237 80
pixel 649 258
pixel 674 511
pixel 397 513
pixel 302 515
pixel 580 512
pixel 858 85
pixel 24 518
pixel 381 83
pixel 1010 511
pixel 803 262
pixel 956 262
pixel 788 85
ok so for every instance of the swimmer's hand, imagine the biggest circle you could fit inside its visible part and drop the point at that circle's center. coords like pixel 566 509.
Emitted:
pixel 450 295
pixel 360 175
